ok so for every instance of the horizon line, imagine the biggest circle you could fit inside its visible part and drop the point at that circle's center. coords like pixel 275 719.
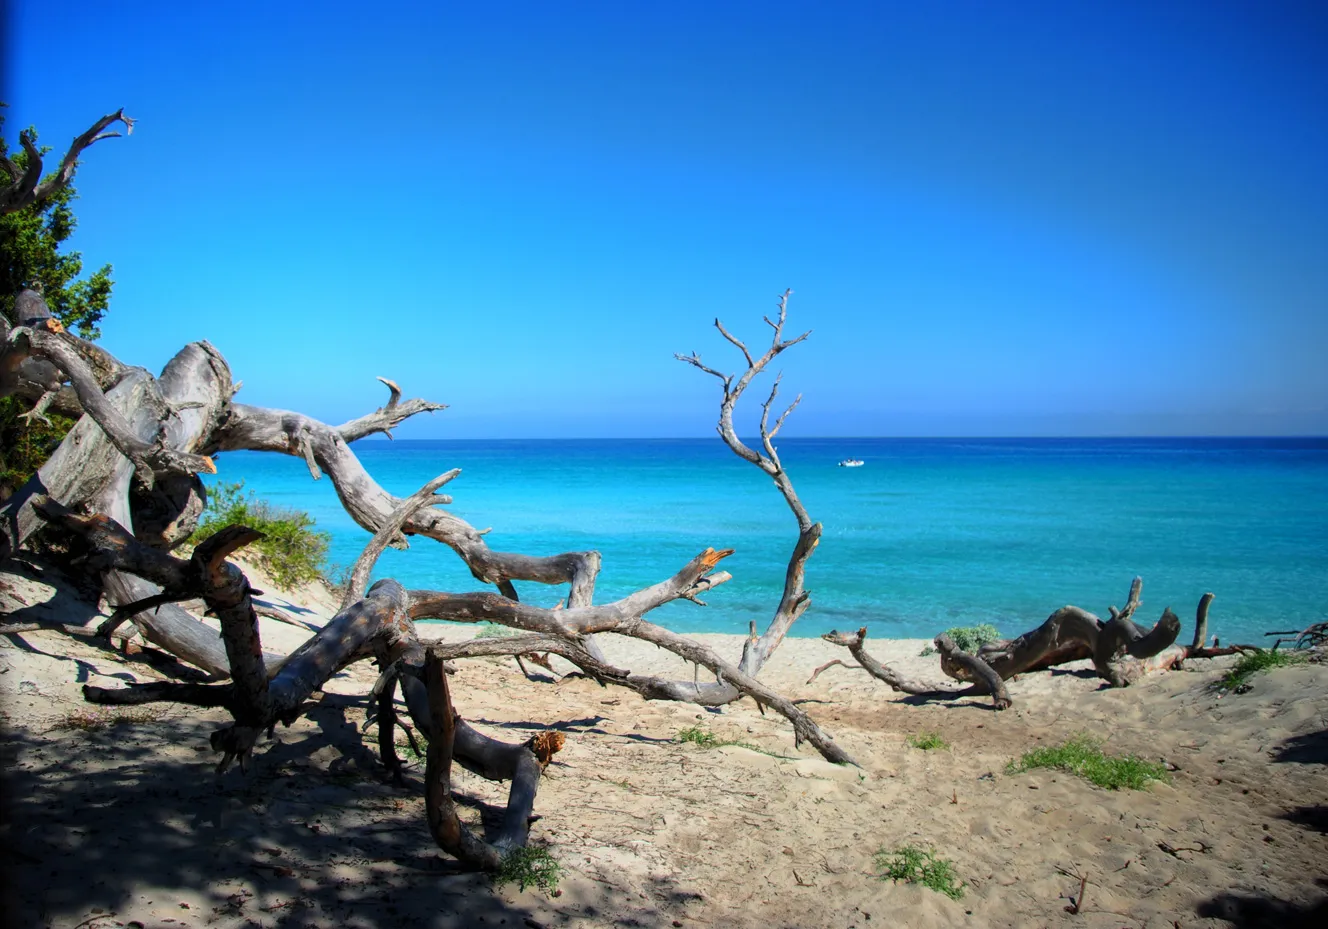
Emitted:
pixel 908 438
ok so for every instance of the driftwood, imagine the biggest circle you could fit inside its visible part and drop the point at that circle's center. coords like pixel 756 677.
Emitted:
pixel 122 491
pixel 986 680
pixel 1121 651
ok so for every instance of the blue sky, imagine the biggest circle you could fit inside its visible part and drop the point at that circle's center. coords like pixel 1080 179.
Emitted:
pixel 999 218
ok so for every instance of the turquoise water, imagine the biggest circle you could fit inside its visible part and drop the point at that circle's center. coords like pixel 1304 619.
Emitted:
pixel 930 533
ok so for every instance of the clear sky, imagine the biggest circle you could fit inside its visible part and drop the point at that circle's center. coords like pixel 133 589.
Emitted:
pixel 999 218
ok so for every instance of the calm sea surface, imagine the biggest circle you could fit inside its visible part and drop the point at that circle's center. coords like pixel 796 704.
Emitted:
pixel 930 533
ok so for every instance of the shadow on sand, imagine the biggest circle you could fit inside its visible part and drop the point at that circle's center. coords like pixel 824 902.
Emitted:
pixel 130 822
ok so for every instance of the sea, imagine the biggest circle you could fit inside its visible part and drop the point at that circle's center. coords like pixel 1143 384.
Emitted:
pixel 928 534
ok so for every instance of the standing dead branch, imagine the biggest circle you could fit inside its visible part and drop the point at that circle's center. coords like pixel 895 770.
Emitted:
pixel 795 599
pixel 26 186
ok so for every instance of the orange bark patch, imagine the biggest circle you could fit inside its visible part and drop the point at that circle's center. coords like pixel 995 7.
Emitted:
pixel 546 745
pixel 710 557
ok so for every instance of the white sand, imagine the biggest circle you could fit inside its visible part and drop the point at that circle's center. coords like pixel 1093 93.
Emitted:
pixel 127 822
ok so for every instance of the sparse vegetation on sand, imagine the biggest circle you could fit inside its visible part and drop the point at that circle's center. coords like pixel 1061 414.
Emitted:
pixel 1083 755
pixel 928 741
pixel 914 865
pixel 704 738
pixel 1252 663
pixel 530 866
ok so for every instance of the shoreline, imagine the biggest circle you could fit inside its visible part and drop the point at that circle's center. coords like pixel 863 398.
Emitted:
pixel 116 816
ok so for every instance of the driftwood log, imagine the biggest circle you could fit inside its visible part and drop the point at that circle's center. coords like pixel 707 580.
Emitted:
pixel 123 490
pixel 986 681
pixel 1121 651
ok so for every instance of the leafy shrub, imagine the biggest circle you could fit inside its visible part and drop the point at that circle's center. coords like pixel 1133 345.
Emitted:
pixel 530 866
pixel 969 638
pixel 291 550
pixel 1083 755
pixel 915 865
pixel 24 445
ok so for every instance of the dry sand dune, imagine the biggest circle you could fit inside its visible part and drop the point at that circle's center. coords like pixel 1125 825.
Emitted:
pixel 117 819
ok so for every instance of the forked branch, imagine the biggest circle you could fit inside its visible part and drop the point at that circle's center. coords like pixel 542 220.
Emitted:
pixel 26 186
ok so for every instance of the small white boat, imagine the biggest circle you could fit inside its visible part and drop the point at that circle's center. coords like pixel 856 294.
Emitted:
pixel 852 463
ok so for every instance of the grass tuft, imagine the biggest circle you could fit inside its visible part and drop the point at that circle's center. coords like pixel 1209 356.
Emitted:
pixel 699 735
pixel 704 738
pixel 1083 755
pixel 1252 663
pixel 927 741
pixel 915 865
pixel 530 867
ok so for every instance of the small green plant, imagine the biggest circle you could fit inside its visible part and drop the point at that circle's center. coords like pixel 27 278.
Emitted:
pixel 291 550
pixel 530 867
pixel 927 741
pixel 408 750
pixel 495 631
pixel 969 638
pixel 704 738
pixel 1083 755
pixel 915 865
pixel 698 735
pixel 1252 663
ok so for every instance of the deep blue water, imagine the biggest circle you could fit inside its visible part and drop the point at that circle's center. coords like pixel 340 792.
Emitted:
pixel 930 533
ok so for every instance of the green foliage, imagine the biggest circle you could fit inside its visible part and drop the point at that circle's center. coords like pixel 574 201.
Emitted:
pixel 915 865
pixel 927 741
pixel 1252 663
pixel 969 638
pixel 698 735
pixel 408 749
pixel 291 550
pixel 24 447
pixel 1083 755
pixel 530 867
pixel 30 242
pixel 704 738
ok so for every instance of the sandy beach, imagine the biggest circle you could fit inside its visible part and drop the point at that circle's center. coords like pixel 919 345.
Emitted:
pixel 116 818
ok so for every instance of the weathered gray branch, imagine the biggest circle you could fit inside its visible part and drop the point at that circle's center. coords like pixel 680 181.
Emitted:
pixel 989 682
pixel 795 598
pixel 1072 634
pixel 258 429
pixel 26 187
pixel 391 528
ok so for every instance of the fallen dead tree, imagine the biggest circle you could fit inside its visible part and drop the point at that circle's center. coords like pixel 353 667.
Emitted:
pixel 1120 650
pixel 123 490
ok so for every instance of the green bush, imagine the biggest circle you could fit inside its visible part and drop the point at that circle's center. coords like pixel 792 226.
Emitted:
pixel 1083 755
pixel 291 550
pixel 25 446
pixel 915 865
pixel 530 866
pixel 969 638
